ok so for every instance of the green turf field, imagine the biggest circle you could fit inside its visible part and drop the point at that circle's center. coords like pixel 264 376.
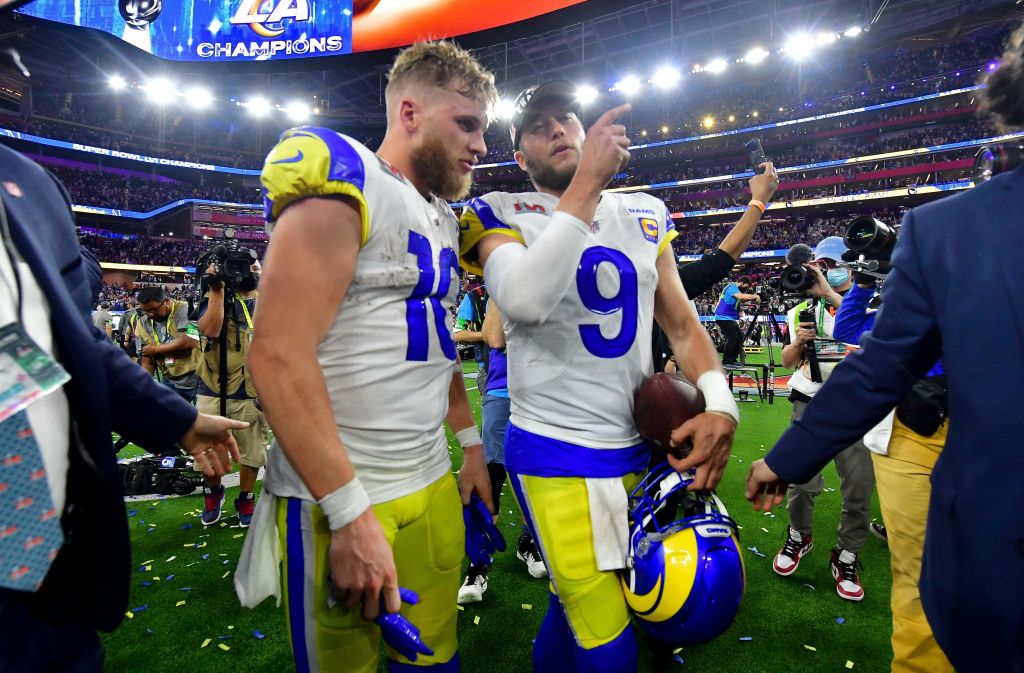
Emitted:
pixel 783 618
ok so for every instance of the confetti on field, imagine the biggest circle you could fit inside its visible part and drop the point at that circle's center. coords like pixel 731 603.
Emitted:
pixel 205 643
pixel 129 615
pixel 259 636
pixel 811 648
pixel 527 606
pixel 148 568
pixel 839 620
pixel 156 578
pixel 223 524
pixel 476 620
pixel 756 551
pixel 170 559
pixel 461 609
pixel 849 664
pixel 186 526
pixel 179 604
pixel 184 588
pixel 223 646
pixel 205 556
pixel 765 529
pixel 230 627
pixel 677 650
pixel 191 564
pixel 225 574
pixel 146 563
pixel 238 535
pixel 149 632
pixel 679 659
pixel 810 586
pixel 133 512
pixel 746 639
pixel 147 584
pixel 226 561
pixel 169 578
pixel 145 606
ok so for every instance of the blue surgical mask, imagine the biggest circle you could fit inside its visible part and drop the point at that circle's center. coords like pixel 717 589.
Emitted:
pixel 837 277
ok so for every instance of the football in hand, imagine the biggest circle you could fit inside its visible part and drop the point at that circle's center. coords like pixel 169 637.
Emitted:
pixel 663 403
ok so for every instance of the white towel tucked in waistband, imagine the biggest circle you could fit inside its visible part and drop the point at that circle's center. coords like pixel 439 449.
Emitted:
pixel 259 568
pixel 609 519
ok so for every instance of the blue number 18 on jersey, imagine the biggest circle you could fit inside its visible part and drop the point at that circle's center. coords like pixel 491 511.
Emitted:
pixel 416 304
pixel 625 300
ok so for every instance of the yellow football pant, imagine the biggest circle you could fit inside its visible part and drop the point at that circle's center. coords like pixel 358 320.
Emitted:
pixel 426 532
pixel 904 491
pixel 558 512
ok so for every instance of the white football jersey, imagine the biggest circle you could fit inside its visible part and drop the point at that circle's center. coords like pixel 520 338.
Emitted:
pixel 574 377
pixel 388 357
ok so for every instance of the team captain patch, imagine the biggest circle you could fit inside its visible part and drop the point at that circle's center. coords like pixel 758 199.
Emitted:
pixel 650 228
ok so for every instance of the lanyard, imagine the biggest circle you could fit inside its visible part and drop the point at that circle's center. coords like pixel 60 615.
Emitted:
pixel 167 326
pixel 245 310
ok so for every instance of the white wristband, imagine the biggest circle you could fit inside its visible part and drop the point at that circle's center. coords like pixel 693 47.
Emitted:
pixel 717 396
pixel 468 437
pixel 344 505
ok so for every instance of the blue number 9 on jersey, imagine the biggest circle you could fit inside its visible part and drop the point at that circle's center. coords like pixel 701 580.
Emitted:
pixel 625 300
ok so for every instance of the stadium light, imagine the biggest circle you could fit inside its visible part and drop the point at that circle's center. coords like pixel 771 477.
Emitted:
pixel 853 31
pixel 666 77
pixel 258 106
pixel 504 108
pixel 198 97
pixel 664 129
pixel 708 122
pixel 755 56
pixel 116 82
pixel 825 38
pixel 799 47
pixel 159 90
pixel 586 94
pixel 717 66
pixel 297 111
pixel 732 118
pixel 754 114
pixel 628 85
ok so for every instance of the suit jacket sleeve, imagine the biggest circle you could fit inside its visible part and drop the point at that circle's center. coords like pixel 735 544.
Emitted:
pixel 902 346
pixel 145 412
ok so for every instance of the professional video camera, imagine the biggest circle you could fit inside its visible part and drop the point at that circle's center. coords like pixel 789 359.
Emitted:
pixel 869 243
pixel 992 160
pixel 163 475
pixel 232 264
pixel 796 279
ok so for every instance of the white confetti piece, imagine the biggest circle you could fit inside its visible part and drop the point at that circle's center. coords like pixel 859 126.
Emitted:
pixel 812 649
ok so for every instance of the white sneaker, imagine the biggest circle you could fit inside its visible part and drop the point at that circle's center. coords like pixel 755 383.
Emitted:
pixel 534 565
pixel 474 586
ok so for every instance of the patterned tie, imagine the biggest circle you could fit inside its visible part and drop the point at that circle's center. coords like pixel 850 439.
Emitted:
pixel 30 532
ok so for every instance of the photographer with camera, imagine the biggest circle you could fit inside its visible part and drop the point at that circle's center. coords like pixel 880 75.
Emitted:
pixel 811 324
pixel 955 291
pixel 225 321
pixel 727 316
pixel 168 340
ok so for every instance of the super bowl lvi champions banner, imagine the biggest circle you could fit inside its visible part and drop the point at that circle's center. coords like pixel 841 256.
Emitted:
pixel 259 30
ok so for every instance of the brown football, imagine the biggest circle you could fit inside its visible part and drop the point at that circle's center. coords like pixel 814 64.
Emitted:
pixel 663 403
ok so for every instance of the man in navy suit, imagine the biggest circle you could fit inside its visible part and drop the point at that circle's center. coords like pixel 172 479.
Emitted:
pixel 956 292
pixel 52 626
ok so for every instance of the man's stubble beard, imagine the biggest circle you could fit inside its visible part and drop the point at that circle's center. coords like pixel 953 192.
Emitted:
pixel 546 176
pixel 434 164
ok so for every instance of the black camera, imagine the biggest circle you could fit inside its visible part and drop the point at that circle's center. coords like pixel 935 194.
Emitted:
pixel 992 160
pixel 869 243
pixel 231 262
pixel 796 280
pixel 163 475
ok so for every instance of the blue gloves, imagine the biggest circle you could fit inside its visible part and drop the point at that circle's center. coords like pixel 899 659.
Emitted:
pixel 482 537
pixel 399 632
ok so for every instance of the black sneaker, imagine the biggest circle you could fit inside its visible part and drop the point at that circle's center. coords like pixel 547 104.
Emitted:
pixel 529 555
pixel 844 570
pixel 879 531
pixel 474 586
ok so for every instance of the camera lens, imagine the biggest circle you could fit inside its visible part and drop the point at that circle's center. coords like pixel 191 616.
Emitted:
pixel 869 237
pixel 796 278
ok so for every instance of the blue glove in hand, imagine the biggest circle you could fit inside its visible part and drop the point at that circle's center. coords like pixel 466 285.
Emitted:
pixel 482 537
pixel 401 634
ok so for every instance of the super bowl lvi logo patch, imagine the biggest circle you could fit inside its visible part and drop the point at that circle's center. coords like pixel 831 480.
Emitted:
pixel 649 227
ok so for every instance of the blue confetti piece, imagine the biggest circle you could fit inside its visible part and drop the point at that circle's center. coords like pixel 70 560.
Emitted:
pixel 679 659
pixel 256 634
pixel 225 637
pixel 226 561
pixel 149 632
pixel 142 522
pixel 146 584
pixel 746 639
pixel 169 578
pixel 184 588
pixel 133 512
pixel 186 526
pixel 839 620
pixel 206 556
pixel 141 608
pixel 150 530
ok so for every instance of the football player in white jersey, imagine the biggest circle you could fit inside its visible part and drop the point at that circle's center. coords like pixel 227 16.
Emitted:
pixel 357 371
pixel 579 276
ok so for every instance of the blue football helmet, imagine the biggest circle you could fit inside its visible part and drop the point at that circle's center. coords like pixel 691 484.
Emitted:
pixel 684 577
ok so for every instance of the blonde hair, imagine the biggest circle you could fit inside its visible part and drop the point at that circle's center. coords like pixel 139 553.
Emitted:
pixel 443 64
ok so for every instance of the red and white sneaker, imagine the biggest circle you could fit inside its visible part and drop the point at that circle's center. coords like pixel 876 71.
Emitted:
pixel 844 570
pixel 788 559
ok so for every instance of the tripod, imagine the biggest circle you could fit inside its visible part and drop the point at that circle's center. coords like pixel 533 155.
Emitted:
pixel 766 310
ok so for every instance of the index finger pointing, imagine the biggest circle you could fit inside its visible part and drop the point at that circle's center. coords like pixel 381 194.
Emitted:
pixel 613 115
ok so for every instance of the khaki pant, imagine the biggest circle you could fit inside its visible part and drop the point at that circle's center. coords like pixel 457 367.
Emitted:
pixel 904 489
pixel 252 442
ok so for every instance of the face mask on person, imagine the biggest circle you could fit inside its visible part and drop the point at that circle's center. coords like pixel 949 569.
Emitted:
pixel 837 277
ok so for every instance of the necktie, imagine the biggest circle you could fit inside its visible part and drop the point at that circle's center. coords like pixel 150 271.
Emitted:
pixel 30 531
